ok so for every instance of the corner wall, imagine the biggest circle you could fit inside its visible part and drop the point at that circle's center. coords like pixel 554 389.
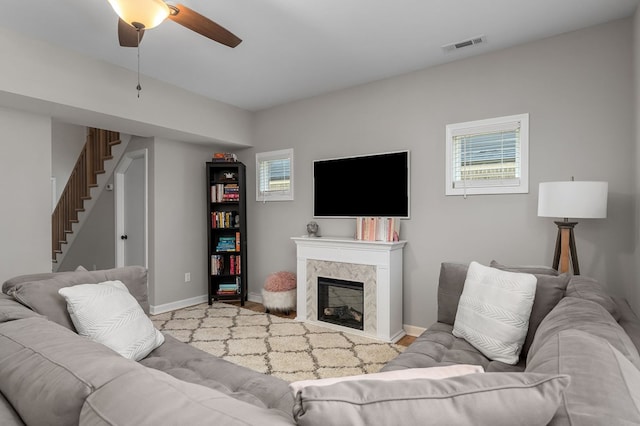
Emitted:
pixel 25 191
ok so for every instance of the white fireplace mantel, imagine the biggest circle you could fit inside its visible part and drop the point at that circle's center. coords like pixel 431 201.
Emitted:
pixel 386 303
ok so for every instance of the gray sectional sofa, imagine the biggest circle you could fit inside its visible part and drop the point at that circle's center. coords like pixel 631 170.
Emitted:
pixel 579 366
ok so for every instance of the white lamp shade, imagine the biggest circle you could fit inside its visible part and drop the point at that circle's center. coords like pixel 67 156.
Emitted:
pixel 149 13
pixel 573 199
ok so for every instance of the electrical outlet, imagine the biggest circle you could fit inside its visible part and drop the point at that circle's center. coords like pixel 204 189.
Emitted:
pixel 187 277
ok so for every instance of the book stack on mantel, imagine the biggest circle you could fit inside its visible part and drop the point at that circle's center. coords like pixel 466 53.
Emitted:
pixel 224 157
pixel 378 228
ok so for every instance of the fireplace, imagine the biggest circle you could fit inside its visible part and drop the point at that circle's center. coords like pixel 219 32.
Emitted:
pixel 375 265
pixel 341 302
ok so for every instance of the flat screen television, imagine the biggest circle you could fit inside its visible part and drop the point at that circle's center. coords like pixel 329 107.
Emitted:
pixel 364 185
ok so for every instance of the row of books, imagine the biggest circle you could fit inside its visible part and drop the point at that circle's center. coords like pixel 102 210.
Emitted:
pixel 228 243
pixel 224 219
pixel 224 157
pixel 221 192
pixel 233 264
pixel 229 289
pixel 378 228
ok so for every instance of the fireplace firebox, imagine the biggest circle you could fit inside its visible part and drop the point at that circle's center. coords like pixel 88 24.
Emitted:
pixel 341 302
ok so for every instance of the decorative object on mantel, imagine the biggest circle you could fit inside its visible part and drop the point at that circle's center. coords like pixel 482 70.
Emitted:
pixel 572 199
pixel 279 292
pixel 312 229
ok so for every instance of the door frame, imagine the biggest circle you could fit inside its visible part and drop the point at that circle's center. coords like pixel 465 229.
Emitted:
pixel 118 180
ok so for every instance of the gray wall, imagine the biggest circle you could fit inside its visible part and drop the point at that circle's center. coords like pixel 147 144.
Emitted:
pixel 94 246
pixel 25 191
pixel 67 141
pixel 575 88
pixel 179 220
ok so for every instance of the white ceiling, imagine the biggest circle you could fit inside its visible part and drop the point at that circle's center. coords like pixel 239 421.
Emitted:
pixel 294 49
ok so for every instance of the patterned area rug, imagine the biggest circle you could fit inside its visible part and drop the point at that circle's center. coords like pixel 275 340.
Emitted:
pixel 270 344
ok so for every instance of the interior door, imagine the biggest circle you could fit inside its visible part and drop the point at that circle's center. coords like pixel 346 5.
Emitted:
pixel 131 210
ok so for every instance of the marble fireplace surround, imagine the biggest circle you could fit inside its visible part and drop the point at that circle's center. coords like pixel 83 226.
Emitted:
pixel 377 264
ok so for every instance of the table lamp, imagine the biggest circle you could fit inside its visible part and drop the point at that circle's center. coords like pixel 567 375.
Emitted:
pixel 572 199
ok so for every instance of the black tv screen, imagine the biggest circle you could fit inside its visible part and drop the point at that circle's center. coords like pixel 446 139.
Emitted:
pixel 366 185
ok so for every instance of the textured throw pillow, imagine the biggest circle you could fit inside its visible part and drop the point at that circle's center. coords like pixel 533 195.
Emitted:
pixel 496 399
pixel 494 309
pixel 407 374
pixel 107 313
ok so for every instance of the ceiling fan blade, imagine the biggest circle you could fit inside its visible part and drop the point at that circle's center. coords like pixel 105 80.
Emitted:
pixel 128 35
pixel 195 22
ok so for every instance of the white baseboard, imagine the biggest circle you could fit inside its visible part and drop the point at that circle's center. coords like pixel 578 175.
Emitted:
pixel 412 330
pixel 167 307
pixel 254 297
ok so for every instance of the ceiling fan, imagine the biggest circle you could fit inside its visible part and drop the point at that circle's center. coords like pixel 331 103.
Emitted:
pixel 136 16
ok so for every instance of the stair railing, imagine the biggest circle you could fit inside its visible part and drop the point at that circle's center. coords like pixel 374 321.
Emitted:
pixel 90 163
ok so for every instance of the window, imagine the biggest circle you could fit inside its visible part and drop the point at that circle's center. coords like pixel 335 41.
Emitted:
pixel 488 156
pixel 274 175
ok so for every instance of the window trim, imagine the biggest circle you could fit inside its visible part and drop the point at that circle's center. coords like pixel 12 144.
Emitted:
pixel 282 154
pixel 490 187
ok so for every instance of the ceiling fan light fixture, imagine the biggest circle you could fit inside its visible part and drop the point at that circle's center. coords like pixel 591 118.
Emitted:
pixel 148 13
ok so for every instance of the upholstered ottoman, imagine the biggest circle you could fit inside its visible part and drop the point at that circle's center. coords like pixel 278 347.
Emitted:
pixel 279 292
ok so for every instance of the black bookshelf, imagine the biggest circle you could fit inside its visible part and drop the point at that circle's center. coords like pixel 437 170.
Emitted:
pixel 227 231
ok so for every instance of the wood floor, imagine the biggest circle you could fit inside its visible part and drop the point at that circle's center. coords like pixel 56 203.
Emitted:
pixel 405 341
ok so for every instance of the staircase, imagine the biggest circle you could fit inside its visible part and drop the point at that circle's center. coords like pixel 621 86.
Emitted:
pixel 90 164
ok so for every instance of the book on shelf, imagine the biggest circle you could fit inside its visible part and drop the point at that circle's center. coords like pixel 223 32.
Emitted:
pixel 378 228
pixel 217 264
pixel 226 244
pixel 225 192
pixel 224 219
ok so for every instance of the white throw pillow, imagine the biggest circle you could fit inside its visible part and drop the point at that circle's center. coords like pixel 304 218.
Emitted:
pixel 107 313
pixel 493 312
pixel 435 373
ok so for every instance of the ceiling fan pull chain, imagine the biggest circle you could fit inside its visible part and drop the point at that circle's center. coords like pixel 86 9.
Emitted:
pixel 138 87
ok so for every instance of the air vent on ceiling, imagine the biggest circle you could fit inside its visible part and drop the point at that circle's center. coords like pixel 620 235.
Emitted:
pixel 465 43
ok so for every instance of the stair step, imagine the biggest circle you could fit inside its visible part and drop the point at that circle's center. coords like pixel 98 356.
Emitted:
pixel 107 157
pixel 93 185
pixel 86 197
pixel 116 142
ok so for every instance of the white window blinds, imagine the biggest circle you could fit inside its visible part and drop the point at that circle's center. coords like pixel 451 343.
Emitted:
pixel 274 175
pixel 487 156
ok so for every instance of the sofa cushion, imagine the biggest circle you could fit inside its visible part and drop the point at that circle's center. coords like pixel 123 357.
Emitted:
pixel 106 313
pixel 41 292
pixel 47 371
pixel 450 285
pixel 11 310
pixel 436 346
pixel 441 372
pixel 494 309
pixel 590 289
pixel 151 397
pixel 191 364
pixel 605 386
pixel 585 315
pixel 475 399
pixel 550 288
pixel 629 321
pixel 8 416
pixel 527 269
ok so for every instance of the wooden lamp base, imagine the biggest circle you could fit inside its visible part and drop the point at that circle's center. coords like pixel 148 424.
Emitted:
pixel 566 248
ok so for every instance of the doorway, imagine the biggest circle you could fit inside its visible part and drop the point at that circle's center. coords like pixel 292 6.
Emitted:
pixel 131 205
